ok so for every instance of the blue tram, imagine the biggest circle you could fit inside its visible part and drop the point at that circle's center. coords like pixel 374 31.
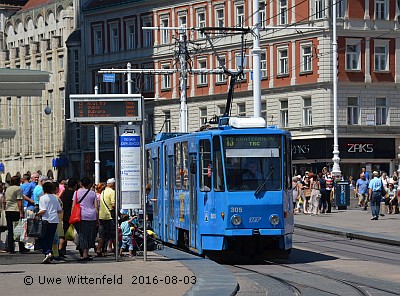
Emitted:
pixel 223 190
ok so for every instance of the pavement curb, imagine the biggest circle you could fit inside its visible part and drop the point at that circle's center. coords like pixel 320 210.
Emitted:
pixel 351 234
pixel 211 278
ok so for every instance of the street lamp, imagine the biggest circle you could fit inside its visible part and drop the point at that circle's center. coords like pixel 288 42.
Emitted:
pixel 47 110
pixel 336 168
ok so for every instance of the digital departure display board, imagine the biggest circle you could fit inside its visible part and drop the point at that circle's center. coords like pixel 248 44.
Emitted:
pixel 105 108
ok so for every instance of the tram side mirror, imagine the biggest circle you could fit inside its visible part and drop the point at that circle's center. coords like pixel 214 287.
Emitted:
pixel 193 167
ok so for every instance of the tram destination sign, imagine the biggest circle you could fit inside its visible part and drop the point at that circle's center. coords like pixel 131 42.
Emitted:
pixel 105 108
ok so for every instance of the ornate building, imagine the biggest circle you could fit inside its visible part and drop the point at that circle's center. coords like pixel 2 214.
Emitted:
pixel 34 38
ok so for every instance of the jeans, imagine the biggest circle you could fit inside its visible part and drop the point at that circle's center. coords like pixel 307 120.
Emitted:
pixel 47 239
pixel 375 203
pixel 11 217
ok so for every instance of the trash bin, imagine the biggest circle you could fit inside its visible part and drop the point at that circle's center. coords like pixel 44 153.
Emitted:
pixel 342 194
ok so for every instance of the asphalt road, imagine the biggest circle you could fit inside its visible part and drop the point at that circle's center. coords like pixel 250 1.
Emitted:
pixel 325 264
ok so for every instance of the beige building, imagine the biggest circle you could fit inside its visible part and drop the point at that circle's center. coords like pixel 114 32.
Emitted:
pixel 34 38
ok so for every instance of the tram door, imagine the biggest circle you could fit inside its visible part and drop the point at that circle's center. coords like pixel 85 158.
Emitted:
pixel 193 200
pixel 169 221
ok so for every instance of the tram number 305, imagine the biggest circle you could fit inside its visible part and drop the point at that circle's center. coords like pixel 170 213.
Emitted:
pixel 236 210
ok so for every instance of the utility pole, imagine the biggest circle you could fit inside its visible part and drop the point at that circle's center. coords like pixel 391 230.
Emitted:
pixel 256 60
pixel 183 111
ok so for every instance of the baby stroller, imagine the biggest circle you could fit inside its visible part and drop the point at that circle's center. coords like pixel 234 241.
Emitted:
pixel 152 242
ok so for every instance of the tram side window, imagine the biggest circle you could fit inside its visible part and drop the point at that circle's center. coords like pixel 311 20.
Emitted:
pixel 184 169
pixel 205 165
pixel 149 172
pixel 218 169
pixel 288 163
pixel 177 164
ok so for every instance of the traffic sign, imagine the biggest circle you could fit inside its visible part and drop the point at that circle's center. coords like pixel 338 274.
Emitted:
pixel 108 77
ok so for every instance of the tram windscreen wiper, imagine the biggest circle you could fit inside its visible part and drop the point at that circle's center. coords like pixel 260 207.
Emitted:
pixel 261 186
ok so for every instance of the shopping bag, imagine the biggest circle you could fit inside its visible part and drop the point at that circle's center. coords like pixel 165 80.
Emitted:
pixel 75 214
pixel 76 237
pixel 18 230
pixel 3 220
pixel 35 227
pixel 24 235
pixel 70 234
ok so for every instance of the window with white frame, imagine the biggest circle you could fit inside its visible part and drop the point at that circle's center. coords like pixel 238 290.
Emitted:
pixel 341 7
pixel 263 16
pixel 148 34
pixel 221 78
pixel 264 112
pixel 130 35
pixel 166 80
pixel 220 110
pixel 353 111
pixel 202 77
pixel 202 116
pixel 219 17
pixel 307 112
pixel 381 10
pixel 164 32
pixel 182 20
pixel 353 54
pixel 381 53
pixel 167 122
pixel 319 9
pixel 263 65
pixel 114 38
pixel 306 57
pixel 381 111
pixel 98 40
pixel 283 12
pixel 283 62
pixel 148 80
pixel 201 21
pixel 284 113
pixel 239 16
pixel 241 109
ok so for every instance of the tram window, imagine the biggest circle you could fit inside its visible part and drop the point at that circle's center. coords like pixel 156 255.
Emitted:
pixel 205 165
pixel 184 169
pixel 177 164
pixel 218 169
pixel 149 172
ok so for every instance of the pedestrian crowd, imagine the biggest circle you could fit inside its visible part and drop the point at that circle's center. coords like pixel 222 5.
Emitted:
pixel 313 193
pixel 38 198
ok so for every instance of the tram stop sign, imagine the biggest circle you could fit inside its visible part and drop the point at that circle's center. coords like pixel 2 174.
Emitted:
pixel 342 194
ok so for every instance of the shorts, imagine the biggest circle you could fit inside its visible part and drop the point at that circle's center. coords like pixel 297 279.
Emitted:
pixel 127 243
pixel 107 229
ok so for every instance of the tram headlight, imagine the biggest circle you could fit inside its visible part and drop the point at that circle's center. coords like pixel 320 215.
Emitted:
pixel 236 220
pixel 274 219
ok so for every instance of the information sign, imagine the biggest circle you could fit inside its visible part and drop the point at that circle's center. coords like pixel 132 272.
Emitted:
pixel 105 108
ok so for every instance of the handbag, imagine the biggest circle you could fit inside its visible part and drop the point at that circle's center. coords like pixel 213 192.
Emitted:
pixel 35 227
pixel 76 210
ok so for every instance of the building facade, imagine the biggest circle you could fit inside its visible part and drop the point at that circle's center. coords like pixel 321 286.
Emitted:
pixel 34 38
pixel 297 85
pixel 296 75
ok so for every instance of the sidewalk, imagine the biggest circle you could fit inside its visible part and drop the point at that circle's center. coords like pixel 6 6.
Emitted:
pixel 166 272
pixel 353 223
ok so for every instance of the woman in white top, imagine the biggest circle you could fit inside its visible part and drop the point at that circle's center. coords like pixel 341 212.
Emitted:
pixel 49 208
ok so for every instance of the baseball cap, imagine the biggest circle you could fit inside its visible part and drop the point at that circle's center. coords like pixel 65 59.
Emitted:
pixel 111 181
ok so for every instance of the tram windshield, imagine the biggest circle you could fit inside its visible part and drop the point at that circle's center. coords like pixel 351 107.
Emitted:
pixel 253 162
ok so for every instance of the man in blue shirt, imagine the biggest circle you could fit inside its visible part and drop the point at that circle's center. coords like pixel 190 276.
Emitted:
pixel 375 194
pixel 27 190
pixel 362 192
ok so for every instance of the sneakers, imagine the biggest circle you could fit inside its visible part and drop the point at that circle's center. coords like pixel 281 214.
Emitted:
pixel 47 259
pixel 374 218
